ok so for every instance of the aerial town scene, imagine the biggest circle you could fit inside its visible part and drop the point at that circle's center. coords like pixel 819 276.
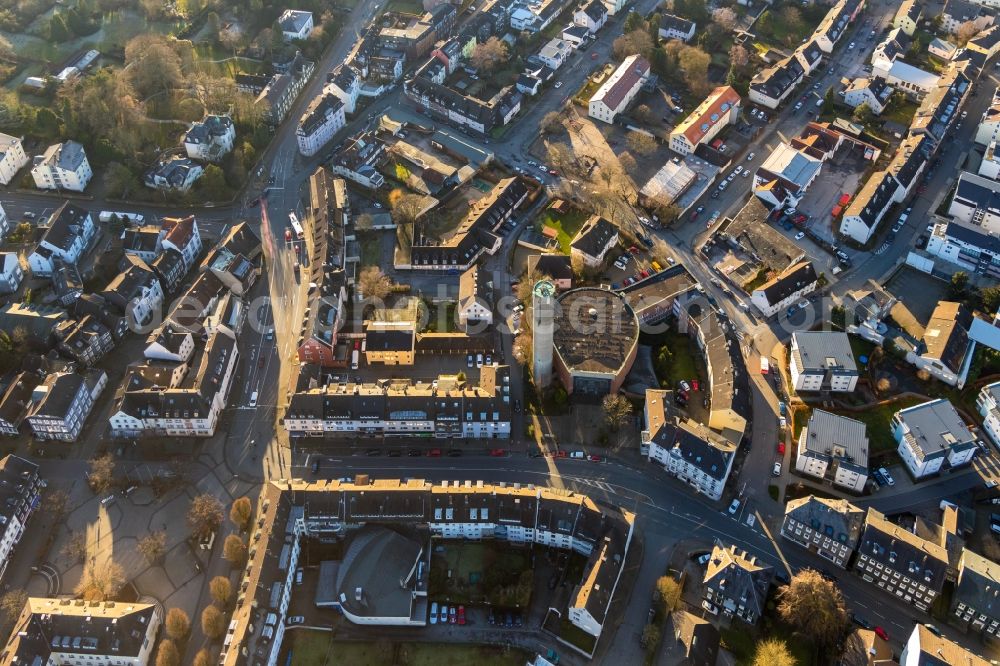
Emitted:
pixel 499 332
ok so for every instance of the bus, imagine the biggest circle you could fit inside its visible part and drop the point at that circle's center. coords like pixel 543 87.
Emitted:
pixel 296 226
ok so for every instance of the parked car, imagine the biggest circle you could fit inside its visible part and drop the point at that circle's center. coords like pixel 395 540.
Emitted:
pixel 294 620
pixel 434 613
pixel 776 471
pixel 860 621
pixel 734 507
pixel 881 633
pixel 452 615
pixel 800 235
pixel 461 615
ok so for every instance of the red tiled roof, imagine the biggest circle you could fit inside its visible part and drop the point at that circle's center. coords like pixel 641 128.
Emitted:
pixel 179 230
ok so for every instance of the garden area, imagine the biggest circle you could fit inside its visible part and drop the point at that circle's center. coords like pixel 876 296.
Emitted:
pixel 477 573
pixel 786 25
pixel 566 225
pixel 317 648
pixel 675 357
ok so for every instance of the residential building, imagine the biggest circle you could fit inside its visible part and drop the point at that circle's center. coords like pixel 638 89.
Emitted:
pixel 687 449
pixel 12 157
pixel 900 562
pixel 615 94
pixel 822 361
pixel 988 404
pixel 345 83
pixel 85 340
pixel 451 410
pixel 927 648
pixel 695 639
pixel 453 106
pixel 70 230
pixel 942 48
pixel 183 237
pixel 475 235
pixel 169 267
pixel 863 215
pixel 175 173
pixel 720 109
pixel 16 401
pixel 990 165
pixel 177 398
pixel 908 16
pixel 737 584
pixel 211 139
pixel 914 81
pixel 835 23
pixel 591 16
pixel 873 91
pixel 889 50
pixel 144 242
pixel 475 298
pixel 810 56
pixel 358 159
pixel 364 520
pixel 675 27
pixel 596 237
pixel 390 342
pixel 829 528
pixel 986 42
pixel 772 85
pixel 958 12
pixel 20 490
pixel 941 107
pixel 323 118
pixel 63 166
pixel 931 434
pixel 11 274
pixel 101 633
pixel 557 268
pixel 834 448
pixel 295 24
pixel 555 53
pixel 62 403
pixel 945 350
pixel 975 604
pixel 136 292
pixel 785 175
pixel 785 289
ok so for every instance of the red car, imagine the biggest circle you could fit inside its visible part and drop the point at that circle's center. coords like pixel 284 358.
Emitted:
pixel 497 453
pixel 694 384
pixel 633 250
pixel 593 56
pixel 553 172
pixel 644 274
pixel 288 235
pixel 461 614
pixel 781 448
pixel 800 218
pixel 560 454
pixel 880 632
pixel 297 248
pixel 434 453
pixel 694 215
pixel 595 458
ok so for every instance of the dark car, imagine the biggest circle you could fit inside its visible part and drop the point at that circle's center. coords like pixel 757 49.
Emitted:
pixel 374 452
pixel 414 453
pixel 492 617
pixel 454 453
pixel 315 466
pixel 783 578
pixel 508 620
pixel 860 621
pixel 260 362
pixel 553 581
pixel 395 453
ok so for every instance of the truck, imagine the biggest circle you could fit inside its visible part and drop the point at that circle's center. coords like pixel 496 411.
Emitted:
pixel 106 215
pixel 765 367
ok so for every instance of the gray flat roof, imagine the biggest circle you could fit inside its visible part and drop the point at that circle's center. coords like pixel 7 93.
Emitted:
pixel 838 437
pixel 824 350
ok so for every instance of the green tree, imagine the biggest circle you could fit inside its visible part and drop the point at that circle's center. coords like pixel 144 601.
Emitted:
pixel 58 30
pixel 212 183
pixel 991 299
pixel 277 38
pixel 636 41
pixel 958 288
pixel 633 21
pixel 46 123
pixel 863 113
pixel 119 180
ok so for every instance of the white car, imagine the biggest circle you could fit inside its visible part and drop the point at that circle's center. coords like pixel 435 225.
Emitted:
pixel 800 235
pixel 751 156
pixel 558 85
pixel 294 620
pixel 732 176
pixel 738 169
pixel 798 105
pixel 734 507
pixel 777 469
pixel 710 607
pixel 850 46
pixel 434 613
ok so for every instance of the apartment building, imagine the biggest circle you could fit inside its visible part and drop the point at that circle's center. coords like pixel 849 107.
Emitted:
pixel 615 94
pixel 211 139
pixel 785 289
pixel 70 230
pixel 988 404
pixel 12 157
pixel 931 436
pixel 720 109
pixel 834 448
pixel 736 584
pixel 975 604
pixel 829 528
pixel 63 166
pixel 20 492
pixel 321 121
pixel 822 361
pixel 62 403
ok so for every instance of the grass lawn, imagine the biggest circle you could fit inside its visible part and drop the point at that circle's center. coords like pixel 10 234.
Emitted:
pixel 573 634
pixel 684 364
pixel 566 225
pixel 860 347
pixel 371 249
pixel 757 281
pixel 878 421
pixel 316 648
pixel 901 112
pixel 739 642
pixel 441 318
pixel 406 6
pixel 479 573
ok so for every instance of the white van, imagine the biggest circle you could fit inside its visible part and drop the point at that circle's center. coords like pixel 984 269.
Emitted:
pixel 253 399
pixel 576 454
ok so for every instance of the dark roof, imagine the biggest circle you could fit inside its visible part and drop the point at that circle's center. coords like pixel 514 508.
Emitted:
pixel 65 226
pixel 811 52
pixel 594 236
pixel 873 199
pixel 775 81
pixel 670 22
pixel 141 239
pixel 595 10
pixel 17 397
pixel 978 584
pixel 389 339
pixel 795 278
pixel 837 518
pixel 881 539
pixel 697 446
pixel 698 638
pixel 556 266
pixel 319 112
pixel 746 581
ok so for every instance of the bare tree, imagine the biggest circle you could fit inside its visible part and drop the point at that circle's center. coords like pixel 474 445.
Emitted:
pixel 694 63
pixel 628 163
pixel 815 606
pixel 11 605
pixel 407 208
pixel 739 56
pixel 152 66
pixel 101 474
pixel 57 505
pixel 221 590
pixel 643 113
pixel 650 636
pixel 640 142
pixel 617 410
pixel 240 513
pixel 204 515
pixel 75 548
pixel 153 546
pixel 178 624
pixel 560 156
pixel 669 591
pixel 637 41
pixel 373 283
pixel 551 122
pixel 213 622
pixel 966 31
pixel 489 55
pixel 100 582
pixel 726 18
